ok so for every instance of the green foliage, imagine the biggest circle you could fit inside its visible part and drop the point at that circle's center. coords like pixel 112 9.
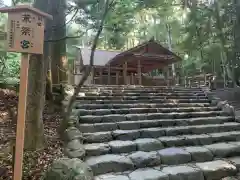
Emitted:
pixel 202 32
pixel 13 65
pixel 9 62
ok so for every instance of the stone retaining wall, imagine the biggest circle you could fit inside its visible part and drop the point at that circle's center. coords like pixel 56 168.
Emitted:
pixel 218 101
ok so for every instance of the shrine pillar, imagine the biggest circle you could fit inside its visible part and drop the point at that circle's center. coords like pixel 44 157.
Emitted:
pixel 117 77
pixel 109 74
pixel 139 73
pixel 92 75
pixel 132 79
pixel 101 76
pixel 168 76
pixel 125 73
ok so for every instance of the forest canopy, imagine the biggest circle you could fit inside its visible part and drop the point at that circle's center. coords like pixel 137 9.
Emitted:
pixel 201 32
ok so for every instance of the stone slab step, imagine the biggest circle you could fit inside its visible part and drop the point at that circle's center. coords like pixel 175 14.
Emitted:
pixel 170 156
pixel 147 116
pixel 138 97
pixel 147 89
pixel 141 89
pixel 118 88
pixel 107 92
pixel 237 177
pixel 138 105
pixel 138 86
pixel 152 144
pixel 212 170
pixel 140 94
pixel 132 125
pixel 101 112
pixel 217 132
pixel 143 101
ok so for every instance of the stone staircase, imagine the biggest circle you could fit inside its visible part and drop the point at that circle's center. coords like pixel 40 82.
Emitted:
pixel 156 133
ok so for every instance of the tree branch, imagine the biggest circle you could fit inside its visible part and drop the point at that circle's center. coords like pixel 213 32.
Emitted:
pixel 66 23
pixel 64 38
pixel 72 18
pixel 14 3
pixel 87 70
pixel 67 37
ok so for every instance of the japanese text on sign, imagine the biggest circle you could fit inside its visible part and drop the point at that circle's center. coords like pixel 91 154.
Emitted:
pixel 26 32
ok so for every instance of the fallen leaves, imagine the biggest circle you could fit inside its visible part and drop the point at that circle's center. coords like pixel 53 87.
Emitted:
pixel 35 163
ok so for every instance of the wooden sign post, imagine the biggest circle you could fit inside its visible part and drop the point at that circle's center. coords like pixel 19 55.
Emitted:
pixel 25 35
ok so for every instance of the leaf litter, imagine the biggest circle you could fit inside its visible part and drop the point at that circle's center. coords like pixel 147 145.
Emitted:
pixel 34 163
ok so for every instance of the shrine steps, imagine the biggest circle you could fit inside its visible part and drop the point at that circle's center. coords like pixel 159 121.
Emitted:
pixel 156 133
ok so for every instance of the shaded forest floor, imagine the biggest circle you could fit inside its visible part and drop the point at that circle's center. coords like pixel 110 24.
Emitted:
pixel 35 163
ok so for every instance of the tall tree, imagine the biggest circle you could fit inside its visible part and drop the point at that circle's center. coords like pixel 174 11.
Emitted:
pixel 59 58
pixel 236 48
pixel 99 19
pixel 36 95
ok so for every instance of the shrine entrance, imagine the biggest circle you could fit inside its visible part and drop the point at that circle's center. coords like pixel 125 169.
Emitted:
pixel 133 67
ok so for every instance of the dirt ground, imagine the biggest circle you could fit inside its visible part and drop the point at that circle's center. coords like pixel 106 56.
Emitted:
pixel 35 163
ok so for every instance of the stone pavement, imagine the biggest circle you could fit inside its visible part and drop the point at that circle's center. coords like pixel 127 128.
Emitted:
pixel 155 133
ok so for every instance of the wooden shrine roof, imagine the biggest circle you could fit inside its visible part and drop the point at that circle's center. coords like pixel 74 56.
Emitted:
pixel 151 54
pixel 101 57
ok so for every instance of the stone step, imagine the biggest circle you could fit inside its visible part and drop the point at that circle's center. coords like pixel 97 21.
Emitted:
pixel 132 125
pixel 151 144
pixel 138 86
pixel 140 94
pixel 100 112
pixel 150 116
pixel 130 135
pixel 92 90
pixel 137 97
pixel 107 87
pixel 138 105
pixel 132 88
pixel 170 156
pixel 144 101
pixel 212 170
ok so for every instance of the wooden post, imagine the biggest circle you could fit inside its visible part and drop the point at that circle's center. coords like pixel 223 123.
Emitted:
pixel 205 79
pixel 132 79
pixel 101 76
pixel 125 73
pixel 178 79
pixel 190 82
pixel 139 73
pixel 185 81
pixel 27 42
pixel 109 74
pixel 92 75
pixel 168 77
pixel 22 106
pixel 117 77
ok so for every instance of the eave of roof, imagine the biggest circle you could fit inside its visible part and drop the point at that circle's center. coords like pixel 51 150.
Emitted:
pixel 120 58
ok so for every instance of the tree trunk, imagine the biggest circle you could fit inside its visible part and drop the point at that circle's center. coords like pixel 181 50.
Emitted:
pixel 170 47
pixel 86 71
pixel 36 90
pixel 236 29
pixel 35 103
pixel 59 59
pixel 219 25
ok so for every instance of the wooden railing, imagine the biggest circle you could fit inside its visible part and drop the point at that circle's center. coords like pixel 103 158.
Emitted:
pixel 148 80
pixel 198 80
pixel 193 81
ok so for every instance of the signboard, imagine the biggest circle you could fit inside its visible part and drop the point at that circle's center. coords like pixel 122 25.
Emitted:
pixel 25 35
pixel 26 32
